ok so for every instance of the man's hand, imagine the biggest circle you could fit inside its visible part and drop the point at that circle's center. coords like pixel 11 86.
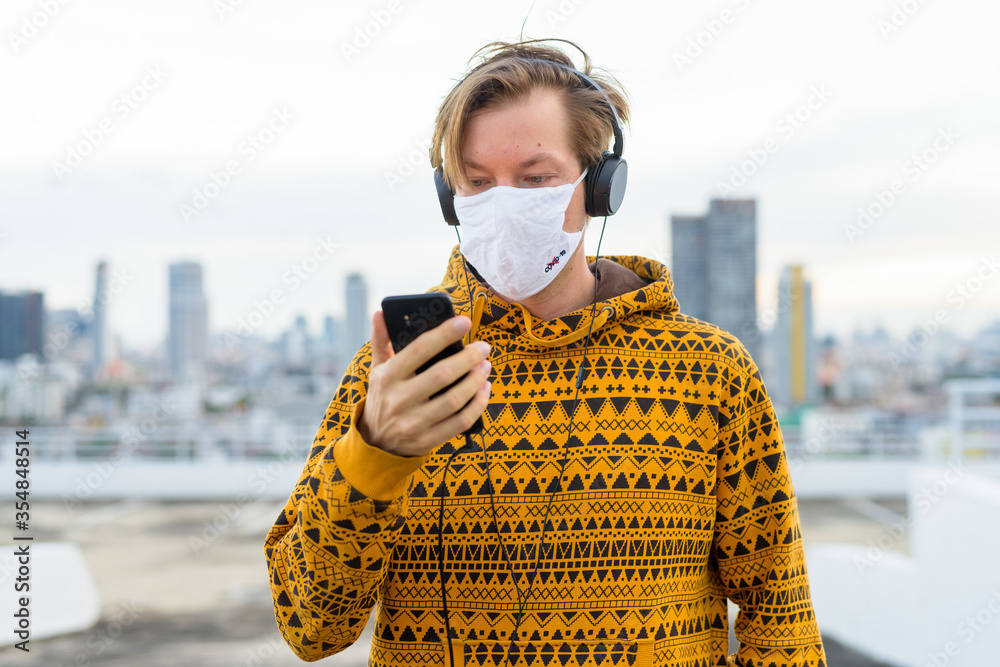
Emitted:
pixel 399 415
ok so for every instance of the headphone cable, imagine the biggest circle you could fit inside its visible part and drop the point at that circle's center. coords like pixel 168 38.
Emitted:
pixel 522 601
pixel 562 468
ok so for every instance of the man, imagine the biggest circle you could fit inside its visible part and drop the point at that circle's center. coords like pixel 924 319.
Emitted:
pixel 630 476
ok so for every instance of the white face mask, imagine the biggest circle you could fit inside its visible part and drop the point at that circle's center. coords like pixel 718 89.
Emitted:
pixel 514 236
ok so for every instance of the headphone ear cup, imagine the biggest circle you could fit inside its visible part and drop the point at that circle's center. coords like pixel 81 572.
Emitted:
pixel 446 197
pixel 589 184
pixel 607 189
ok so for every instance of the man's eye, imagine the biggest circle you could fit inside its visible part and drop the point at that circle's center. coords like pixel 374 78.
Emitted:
pixel 537 179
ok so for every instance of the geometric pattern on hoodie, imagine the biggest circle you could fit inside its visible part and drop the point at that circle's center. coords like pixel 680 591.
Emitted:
pixel 676 496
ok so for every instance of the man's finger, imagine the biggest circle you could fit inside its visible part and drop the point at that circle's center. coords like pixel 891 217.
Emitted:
pixel 429 343
pixel 381 345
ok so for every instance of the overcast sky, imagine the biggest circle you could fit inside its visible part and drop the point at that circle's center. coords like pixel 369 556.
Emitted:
pixel 113 114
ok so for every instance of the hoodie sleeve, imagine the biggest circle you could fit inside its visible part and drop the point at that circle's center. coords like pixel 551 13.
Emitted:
pixel 330 547
pixel 758 544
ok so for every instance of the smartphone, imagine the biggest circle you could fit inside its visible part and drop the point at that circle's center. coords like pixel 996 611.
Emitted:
pixel 409 315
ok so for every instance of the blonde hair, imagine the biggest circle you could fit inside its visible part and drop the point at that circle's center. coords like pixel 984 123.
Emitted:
pixel 507 73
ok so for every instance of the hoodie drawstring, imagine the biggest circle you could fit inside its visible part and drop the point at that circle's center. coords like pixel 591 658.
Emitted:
pixel 572 337
pixel 478 306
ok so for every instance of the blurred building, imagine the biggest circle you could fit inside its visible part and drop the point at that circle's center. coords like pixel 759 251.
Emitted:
pixel 689 267
pixel 331 346
pixel 68 337
pixel 331 336
pixel 297 344
pixel 32 391
pixel 22 316
pixel 714 267
pixel 99 326
pixel 188 341
pixel 358 321
pixel 39 399
pixel 793 380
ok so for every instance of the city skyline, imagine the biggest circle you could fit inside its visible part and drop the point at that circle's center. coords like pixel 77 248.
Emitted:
pixel 210 371
pixel 967 297
pixel 93 310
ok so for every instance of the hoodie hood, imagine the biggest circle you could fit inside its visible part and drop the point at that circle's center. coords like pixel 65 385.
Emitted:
pixel 511 325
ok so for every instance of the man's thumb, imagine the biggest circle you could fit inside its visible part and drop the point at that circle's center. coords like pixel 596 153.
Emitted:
pixel 381 345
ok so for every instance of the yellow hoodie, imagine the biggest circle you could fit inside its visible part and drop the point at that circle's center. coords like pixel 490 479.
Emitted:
pixel 675 495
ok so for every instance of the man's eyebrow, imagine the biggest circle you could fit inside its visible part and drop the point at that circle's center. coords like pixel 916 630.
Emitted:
pixel 524 165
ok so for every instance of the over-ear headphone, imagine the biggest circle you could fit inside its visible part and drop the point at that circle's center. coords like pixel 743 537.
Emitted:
pixel 604 185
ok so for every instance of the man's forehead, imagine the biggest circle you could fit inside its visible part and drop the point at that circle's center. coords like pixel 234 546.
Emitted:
pixel 530 132
pixel 537 159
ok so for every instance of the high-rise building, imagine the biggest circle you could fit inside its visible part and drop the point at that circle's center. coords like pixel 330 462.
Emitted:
pixel 297 348
pixel 188 341
pixel 68 333
pixel 714 267
pixel 22 316
pixel 690 264
pixel 333 343
pixel 793 380
pixel 99 329
pixel 329 334
pixel 358 321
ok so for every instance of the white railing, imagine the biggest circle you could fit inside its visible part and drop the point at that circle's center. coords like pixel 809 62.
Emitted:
pixel 974 428
pixel 853 442
pixel 191 442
